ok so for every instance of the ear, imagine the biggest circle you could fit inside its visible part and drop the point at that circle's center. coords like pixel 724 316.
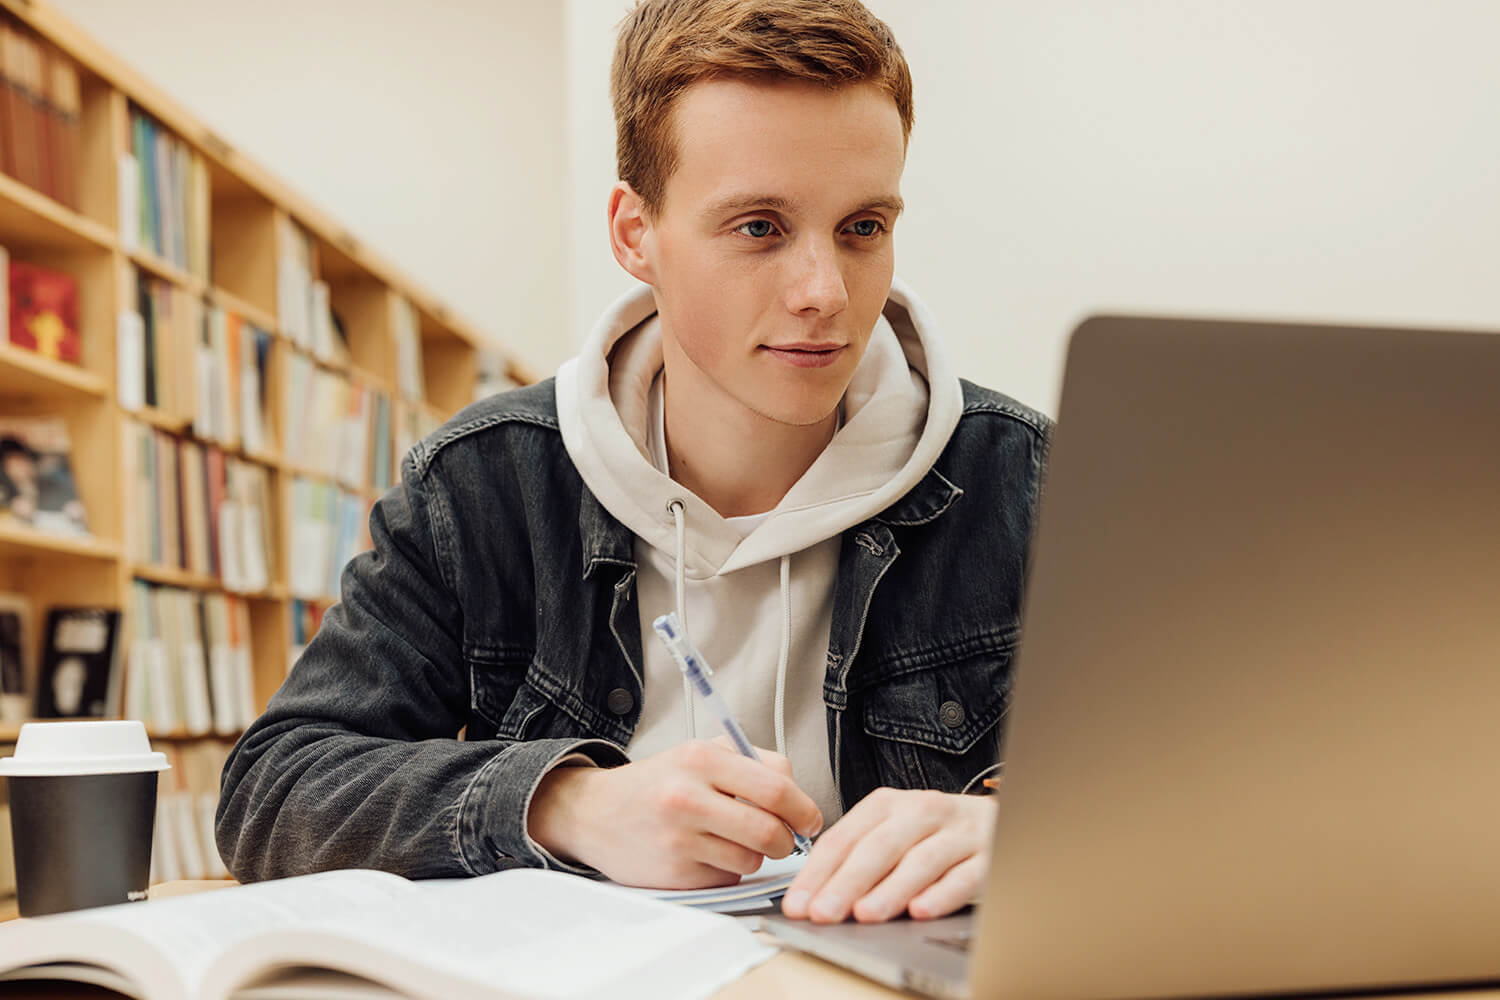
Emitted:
pixel 630 232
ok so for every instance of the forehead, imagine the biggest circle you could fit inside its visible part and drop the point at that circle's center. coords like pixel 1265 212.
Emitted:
pixel 802 142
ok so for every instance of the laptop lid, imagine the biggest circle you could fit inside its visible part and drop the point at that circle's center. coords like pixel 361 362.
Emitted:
pixel 1255 742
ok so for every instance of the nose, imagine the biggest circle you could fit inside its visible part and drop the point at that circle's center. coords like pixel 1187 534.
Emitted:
pixel 817 281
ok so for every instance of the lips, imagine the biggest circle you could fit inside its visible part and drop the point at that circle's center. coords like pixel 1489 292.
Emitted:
pixel 806 355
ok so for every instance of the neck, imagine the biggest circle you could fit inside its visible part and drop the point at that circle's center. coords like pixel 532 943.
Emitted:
pixel 737 460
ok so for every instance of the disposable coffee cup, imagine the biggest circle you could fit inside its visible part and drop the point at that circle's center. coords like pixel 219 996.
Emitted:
pixel 82 807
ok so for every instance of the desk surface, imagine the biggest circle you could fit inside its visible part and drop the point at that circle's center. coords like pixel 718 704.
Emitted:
pixel 786 976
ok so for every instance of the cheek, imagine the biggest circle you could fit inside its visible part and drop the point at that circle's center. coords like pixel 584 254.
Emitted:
pixel 868 281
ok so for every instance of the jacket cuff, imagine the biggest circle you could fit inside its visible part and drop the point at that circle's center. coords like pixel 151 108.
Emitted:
pixel 493 809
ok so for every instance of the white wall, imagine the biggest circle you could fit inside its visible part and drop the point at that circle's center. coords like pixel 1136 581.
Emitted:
pixel 431 131
pixel 1326 159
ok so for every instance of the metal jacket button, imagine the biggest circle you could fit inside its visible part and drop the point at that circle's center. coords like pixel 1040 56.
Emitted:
pixel 952 714
pixel 620 701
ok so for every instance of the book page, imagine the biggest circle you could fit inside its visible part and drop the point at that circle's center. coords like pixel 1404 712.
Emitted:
pixel 190 931
pixel 753 892
pixel 519 933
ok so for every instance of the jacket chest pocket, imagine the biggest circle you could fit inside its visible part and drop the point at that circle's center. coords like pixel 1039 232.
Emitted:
pixel 937 721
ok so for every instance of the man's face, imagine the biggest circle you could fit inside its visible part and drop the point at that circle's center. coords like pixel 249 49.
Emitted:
pixel 772 253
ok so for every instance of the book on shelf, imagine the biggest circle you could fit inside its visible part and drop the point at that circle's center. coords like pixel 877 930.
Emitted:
pixel 329 526
pixel 183 844
pixel 216 413
pixel 80 675
pixel 306 619
pixel 358 416
pixel 380 442
pixel 255 347
pixel 156 344
pixel 363 934
pixel 21 157
pixel 405 331
pixel 233 359
pixel 40 114
pixel 165 210
pixel 63 127
pixel 40 309
pixel 37 488
pixel 303 302
pixel 330 343
pixel 194 507
pixel 413 423
pixel 16 654
pixel 353 457
pixel 314 397
pixel 189 665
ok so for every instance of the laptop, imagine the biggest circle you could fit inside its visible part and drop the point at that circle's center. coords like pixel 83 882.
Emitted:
pixel 1255 740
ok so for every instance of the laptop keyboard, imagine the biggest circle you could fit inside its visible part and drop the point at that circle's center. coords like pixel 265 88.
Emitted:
pixel 958 941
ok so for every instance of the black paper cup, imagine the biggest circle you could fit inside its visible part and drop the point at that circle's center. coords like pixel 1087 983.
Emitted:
pixel 81 840
pixel 82 811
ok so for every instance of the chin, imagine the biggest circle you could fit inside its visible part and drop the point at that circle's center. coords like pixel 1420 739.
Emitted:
pixel 803 414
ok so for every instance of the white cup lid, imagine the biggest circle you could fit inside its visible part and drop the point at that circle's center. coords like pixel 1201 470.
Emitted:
pixel 46 749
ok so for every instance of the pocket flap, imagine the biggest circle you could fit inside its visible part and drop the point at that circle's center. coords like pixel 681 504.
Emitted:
pixel 949 702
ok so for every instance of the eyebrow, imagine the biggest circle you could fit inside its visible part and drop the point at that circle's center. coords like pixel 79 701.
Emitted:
pixel 740 203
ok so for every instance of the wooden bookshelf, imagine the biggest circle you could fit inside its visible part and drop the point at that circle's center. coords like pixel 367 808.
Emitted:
pixel 25 373
pixel 247 214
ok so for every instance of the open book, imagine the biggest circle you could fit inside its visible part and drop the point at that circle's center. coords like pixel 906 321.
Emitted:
pixel 360 934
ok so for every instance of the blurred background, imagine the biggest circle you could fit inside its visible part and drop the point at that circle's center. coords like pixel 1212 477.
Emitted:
pixel 1329 159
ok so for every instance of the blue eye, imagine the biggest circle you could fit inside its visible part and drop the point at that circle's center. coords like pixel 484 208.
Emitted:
pixel 756 228
pixel 867 228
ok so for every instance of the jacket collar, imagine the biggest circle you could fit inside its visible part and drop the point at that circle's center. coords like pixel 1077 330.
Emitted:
pixel 605 539
pixel 933 494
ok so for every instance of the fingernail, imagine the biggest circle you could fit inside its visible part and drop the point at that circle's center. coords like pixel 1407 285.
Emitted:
pixel 794 903
pixel 828 908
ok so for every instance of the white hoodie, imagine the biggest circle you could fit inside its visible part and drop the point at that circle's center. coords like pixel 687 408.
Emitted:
pixel 756 592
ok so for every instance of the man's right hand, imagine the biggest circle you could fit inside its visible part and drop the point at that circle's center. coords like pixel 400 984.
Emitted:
pixel 673 821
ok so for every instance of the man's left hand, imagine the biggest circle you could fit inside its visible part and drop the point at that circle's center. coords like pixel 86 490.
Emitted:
pixel 897 850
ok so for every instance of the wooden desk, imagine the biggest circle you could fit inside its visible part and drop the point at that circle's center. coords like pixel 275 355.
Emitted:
pixel 788 976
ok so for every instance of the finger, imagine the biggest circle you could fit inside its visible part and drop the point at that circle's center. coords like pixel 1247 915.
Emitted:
pixel 874 857
pixel 747 825
pixel 834 846
pixel 775 762
pixel 924 864
pixel 770 758
pixel 959 887
pixel 775 793
pixel 727 856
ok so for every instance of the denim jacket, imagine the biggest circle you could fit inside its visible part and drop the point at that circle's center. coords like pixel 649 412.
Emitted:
pixel 499 600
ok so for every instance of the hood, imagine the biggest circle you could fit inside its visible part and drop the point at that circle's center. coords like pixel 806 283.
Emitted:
pixel 899 410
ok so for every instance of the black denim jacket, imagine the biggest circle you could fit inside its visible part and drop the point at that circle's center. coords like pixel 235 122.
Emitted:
pixel 500 599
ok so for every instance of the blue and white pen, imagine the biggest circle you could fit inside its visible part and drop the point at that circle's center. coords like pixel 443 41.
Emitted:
pixel 692 664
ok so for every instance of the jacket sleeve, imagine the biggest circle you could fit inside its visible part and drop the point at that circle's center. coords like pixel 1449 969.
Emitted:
pixel 356 761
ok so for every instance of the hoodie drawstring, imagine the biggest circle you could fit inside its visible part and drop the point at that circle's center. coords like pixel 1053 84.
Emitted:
pixel 677 508
pixel 786 648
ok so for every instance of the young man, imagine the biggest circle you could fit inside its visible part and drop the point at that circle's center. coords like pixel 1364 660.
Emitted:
pixel 768 438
